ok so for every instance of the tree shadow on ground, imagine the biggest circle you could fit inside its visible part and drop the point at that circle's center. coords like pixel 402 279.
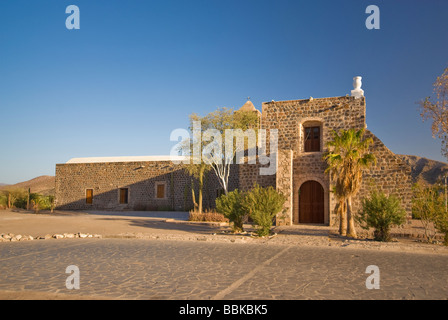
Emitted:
pixel 304 230
pixel 160 225
pixel 55 213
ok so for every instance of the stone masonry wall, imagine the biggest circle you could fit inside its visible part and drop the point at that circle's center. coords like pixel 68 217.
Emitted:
pixel 285 185
pixel 140 178
pixel 390 175
pixel 294 167
pixel 290 118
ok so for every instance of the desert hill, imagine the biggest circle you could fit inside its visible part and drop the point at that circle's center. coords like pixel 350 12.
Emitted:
pixel 424 170
pixel 44 185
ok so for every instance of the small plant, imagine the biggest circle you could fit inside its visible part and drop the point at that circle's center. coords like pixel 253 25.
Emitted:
pixel 37 204
pixel 381 212
pixel 231 206
pixel 263 205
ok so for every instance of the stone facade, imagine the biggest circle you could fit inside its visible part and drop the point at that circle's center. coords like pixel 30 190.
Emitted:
pixel 295 167
pixel 139 178
pixel 290 118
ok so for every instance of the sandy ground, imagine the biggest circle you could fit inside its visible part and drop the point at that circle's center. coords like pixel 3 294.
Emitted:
pixel 106 224
pixel 173 226
pixel 38 295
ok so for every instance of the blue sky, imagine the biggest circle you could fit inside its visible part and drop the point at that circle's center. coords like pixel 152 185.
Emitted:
pixel 136 69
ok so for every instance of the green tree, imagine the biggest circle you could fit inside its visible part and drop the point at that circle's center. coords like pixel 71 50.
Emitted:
pixel 15 197
pixel 196 167
pixel 427 202
pixel 3 201
pixel 263 205
pixel 347 156
pixel 341 212
pixel 197 171
pixel 428 205
pixel 381 212
pixel 216 138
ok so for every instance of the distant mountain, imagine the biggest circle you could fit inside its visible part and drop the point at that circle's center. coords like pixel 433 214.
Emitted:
pixel 44 185
pixel 424 170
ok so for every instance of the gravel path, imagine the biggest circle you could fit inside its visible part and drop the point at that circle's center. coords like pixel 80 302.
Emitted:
pixel 167 269
pixel 141 257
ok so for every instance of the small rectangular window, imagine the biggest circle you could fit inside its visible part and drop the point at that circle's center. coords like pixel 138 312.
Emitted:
pixel 89 196
pixel 124 193
pixel 160 191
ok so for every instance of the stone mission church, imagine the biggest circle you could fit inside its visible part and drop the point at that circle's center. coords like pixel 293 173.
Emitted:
pixel 304 126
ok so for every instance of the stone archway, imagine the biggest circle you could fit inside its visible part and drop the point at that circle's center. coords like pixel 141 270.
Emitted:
pixel 311 203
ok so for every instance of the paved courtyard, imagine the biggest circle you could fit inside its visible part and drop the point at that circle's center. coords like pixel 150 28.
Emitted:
pixel 169 269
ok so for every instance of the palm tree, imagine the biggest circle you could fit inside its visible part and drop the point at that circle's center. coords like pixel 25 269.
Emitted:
pixel 347 156
pixel 341 212
pixel 197 171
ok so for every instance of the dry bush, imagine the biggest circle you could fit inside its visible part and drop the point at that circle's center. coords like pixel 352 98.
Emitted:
pixel 207 216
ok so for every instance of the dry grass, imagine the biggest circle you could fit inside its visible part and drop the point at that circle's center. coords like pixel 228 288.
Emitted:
pixel 207 216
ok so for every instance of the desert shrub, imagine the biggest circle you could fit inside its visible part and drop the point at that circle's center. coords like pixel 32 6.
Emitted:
pixel 263 204
pixel 427 204
pixel 17 197
pixel 47 202
pixel 38 202
pixel 381 212
pixel 195 216
pixel 231 206
pixel 35 205
pixel 3 201
pixel 441 222
pixel 207 216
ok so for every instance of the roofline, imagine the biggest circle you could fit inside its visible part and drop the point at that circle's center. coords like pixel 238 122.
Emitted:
pixel 311 98
pixel 125 159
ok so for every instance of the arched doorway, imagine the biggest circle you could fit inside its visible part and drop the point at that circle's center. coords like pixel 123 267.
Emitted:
pixel 311 202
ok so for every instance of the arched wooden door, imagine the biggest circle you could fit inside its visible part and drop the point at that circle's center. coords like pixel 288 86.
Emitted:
pixel 311 203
